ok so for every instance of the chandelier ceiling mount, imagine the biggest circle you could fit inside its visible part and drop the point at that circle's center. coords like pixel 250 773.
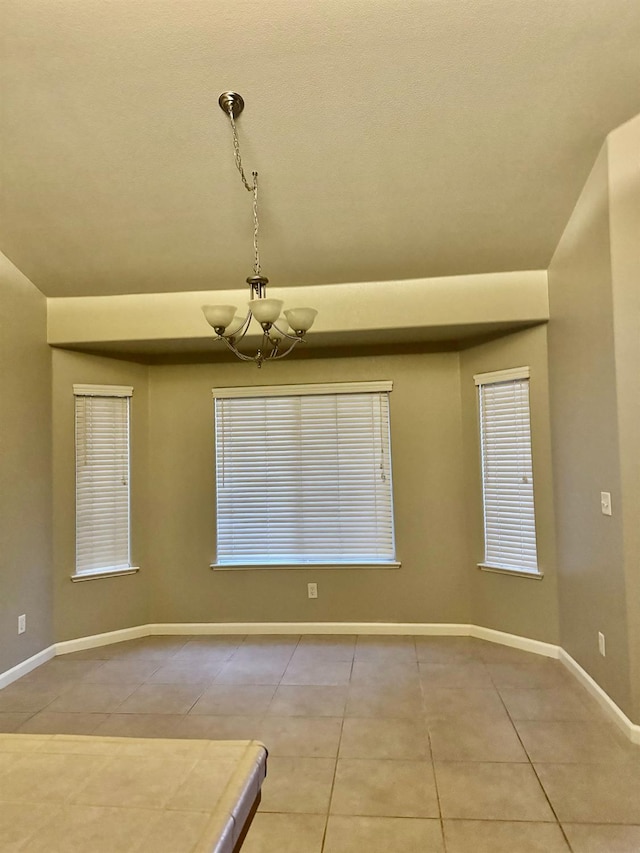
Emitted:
pixel 280 334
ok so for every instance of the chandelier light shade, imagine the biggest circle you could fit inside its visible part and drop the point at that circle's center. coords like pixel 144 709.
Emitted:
pixel 280 334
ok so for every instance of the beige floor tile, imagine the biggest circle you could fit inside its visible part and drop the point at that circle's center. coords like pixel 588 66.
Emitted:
pixel 262 654
pixel 273 642
pixel 576 741
pixel 372 737
pixel 403 674
pixel 204 650
pixel 234 699
pixel 251 672
pixel 326 647
pixel 92 698
pixel 186 672
pixel 491 836
pixel 384 788
pixel 97 653
pixel 379 700
pixel 147 648
pixel 347 834
pixel 21 697
pixel 600 838
pixel 450 650
pixel 467 675
pixel 100 830
pixel 60 668
pixel 11 722
pixel 321 673
pixel 21 821
pixel 475 739
pixel 315 737
pixel 134 782
pixel 52 722
pixel 230 642
pixel 497 653
pixel 543 673
pixel 555 703
pixel 122 672
pixel 161 699
pixel 139 725
pixel 301 785
pixel 289 701
pixel 46 778
pixel 285 833
pixel 597 793
pixel 451 702
pixel 218 727
pixel 385 649
pixel 490 791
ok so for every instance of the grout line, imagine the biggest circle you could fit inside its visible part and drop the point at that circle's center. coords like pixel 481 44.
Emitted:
pixel 532 765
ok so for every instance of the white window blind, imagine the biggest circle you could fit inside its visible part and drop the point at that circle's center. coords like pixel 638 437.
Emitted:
pixel 507 473
pixel 303 478
pixel 102 478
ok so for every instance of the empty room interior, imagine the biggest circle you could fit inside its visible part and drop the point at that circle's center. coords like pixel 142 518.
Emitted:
pixel 397 542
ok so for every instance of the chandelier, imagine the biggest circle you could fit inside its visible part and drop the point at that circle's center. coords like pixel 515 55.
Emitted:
pixel 280 334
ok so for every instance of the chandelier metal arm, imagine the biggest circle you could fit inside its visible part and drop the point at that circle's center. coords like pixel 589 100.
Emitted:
pixel 231 345
pixel 275 355
pixel 286 334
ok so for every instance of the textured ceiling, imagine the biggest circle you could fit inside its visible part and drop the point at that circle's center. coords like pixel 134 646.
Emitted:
pixel 394 138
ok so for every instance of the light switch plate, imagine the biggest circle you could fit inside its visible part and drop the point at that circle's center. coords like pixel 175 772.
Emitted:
pixel 605 502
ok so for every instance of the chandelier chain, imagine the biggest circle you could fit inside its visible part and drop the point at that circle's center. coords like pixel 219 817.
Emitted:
pixel 252 188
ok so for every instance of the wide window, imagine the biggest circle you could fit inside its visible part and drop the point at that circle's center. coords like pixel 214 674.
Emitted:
pixel 303 475
pixel 102 478
pixel 507 472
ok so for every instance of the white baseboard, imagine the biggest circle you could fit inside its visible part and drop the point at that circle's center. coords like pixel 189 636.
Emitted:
pixel 537 647
pixel 435 629
pixel 382 628
pixel 26 666
pixel 616 714
pixel 95 640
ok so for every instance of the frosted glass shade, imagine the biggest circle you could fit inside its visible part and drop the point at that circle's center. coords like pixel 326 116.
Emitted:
pixel 301 319
pixel 266 310
pixel 219 316
pixel 235 325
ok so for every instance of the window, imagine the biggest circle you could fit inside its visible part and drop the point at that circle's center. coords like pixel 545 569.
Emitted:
pixel 507 474
pixel 303 475
pixel 102 479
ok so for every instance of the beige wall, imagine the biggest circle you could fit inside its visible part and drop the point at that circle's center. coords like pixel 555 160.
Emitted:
pixel 517 605
pixel 25 469
pixel 433 583
pixel 624 219
pixel 586 445
pixel 103 604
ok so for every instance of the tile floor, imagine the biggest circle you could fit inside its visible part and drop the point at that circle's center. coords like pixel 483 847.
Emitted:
pixel 376 744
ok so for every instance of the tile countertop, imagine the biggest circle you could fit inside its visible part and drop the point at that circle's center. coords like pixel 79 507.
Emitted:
pixel 66 794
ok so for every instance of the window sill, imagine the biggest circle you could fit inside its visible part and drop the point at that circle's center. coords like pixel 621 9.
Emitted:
pixel 104 573
pixel 518 573
pixel 243 567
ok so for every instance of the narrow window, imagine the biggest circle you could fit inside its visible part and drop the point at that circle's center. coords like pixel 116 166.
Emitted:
pixel 303 475
pixel 507 473
pixel 102 478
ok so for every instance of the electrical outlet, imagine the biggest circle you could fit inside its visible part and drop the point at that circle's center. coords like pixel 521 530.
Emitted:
pixel 605 503
pixel 22 624
pixel 601 644
pixel 312 590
